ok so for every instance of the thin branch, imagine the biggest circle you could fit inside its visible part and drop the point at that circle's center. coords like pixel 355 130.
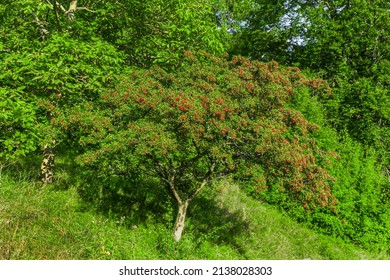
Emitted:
pixel 62 7
pixel 85 8
pixel 174 191
pixel 57 17
pixel 58 4
pixel 161 170
pixel 205 181
pixel 41 25
pixel 48 2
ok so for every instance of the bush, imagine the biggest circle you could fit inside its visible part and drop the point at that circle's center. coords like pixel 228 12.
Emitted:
pixel 210 118
pixel 361 188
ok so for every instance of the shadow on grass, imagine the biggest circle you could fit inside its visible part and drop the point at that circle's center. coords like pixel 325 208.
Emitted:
pixel 128 201
pixel 23 170
pixel 138 201
pixel 217 224
pixel 145 202
pixel 142 201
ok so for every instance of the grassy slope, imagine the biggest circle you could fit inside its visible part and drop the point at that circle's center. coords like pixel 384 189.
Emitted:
pixel 49 223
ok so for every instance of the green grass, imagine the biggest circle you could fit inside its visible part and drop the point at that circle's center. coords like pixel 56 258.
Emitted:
pixel 56 222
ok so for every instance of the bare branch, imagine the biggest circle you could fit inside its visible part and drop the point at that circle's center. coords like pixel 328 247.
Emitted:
pixel 61 7
pixel 73 8
pixel 85 8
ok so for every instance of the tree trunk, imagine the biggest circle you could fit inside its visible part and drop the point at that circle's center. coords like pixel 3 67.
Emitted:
pixel 47 166
pixel 180 220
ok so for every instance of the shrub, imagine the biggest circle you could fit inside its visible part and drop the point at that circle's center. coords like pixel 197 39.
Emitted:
pixel 210 118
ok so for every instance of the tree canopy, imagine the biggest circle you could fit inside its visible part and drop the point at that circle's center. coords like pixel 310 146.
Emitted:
pixel 345 42
pixel 210 118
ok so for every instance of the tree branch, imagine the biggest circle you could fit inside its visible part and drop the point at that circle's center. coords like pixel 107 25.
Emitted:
pixel 85 8
pixel 62 7
pixel 73 8
pixel 48 2
pixel 174 191
pixel 41 25
pixel 205 181
pixel 57 17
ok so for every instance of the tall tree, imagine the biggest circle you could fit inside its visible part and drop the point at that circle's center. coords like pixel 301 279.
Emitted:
pixel 62 52
pixel 160 31
pixel 44 54
pixel 346 42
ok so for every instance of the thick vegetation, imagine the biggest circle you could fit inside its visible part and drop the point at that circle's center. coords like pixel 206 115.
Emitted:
pixel 212 117
pixel 346 43
pixel 138 100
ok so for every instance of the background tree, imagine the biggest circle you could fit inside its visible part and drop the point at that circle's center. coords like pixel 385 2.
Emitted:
pixel 346 42
pixel 18 127
pixel 63 52
pixel 321 37
pixel 44 54
pixel 158 32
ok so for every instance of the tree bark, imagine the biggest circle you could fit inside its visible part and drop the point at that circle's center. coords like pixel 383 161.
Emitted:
pixel 47 166
pixel 180 220
pixel 183 204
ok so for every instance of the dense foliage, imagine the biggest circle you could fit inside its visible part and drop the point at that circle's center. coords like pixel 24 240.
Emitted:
pixel 65 51
pixel 210 118
pixel 139 90
pixel 345 42
pixel 17 126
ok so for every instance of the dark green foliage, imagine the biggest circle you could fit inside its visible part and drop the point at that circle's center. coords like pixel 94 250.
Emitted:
pixel 159 31
pixel 18 126
pixel 346 43
pixel 362 190
pixel 209 118
pixel 64 58
pixel 50 70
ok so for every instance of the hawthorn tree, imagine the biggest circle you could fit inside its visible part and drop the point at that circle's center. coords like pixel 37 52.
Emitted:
pixel 210 118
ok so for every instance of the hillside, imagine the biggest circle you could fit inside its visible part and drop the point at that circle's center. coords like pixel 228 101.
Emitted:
pixel 57 223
